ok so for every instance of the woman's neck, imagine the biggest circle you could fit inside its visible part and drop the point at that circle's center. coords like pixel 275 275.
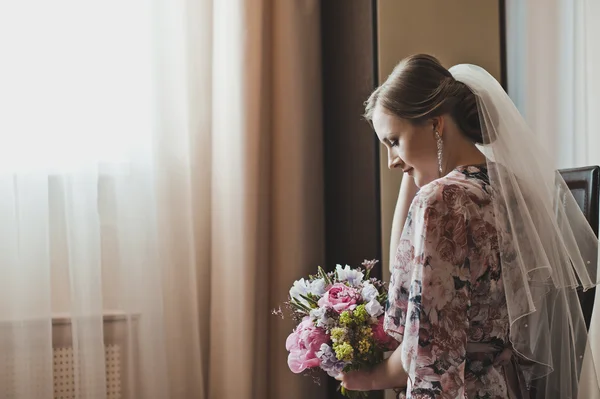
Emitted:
pixel 462 153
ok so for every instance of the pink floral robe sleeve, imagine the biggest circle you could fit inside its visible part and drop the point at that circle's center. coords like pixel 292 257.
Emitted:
pixel 430 293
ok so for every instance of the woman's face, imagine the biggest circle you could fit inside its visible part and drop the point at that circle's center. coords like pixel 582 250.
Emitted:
pixel 411 148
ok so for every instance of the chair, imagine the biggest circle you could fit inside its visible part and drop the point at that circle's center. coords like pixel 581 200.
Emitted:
pixel 584 183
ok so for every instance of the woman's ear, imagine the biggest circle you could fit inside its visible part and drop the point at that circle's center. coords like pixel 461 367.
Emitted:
pixel 437 124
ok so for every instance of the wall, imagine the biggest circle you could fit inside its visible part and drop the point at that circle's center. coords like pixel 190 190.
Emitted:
pixel 461 31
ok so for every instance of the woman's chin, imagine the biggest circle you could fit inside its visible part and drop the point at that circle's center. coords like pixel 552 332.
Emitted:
pixel 420 180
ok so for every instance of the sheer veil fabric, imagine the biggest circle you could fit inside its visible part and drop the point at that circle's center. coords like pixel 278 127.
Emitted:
pixel 546 245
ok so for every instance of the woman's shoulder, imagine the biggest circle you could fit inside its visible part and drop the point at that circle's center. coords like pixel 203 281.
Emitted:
pixel 462 187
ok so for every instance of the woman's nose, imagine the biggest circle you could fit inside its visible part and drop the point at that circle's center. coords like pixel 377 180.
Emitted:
pixel 393 162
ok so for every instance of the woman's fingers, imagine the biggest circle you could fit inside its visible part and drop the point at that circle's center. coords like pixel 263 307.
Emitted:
pixel 356 381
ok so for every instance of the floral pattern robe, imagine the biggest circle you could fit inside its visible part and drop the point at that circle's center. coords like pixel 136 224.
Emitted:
pixel 446 290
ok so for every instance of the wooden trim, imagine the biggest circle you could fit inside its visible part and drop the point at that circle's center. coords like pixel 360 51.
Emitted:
pixel 503 65
pixel 378 269
pixel 107 317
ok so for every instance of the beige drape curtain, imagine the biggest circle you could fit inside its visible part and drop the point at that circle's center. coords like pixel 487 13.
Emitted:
pixel 255 197
pixel 160 190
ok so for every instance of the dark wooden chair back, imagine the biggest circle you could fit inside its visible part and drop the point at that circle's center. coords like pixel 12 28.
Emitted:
pixel 584 183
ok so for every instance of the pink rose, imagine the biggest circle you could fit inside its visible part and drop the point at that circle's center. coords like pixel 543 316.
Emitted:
pixel 432 216
pixel 340 297
pixel 476 334
pixel 454 196
pixel 452 245
pixel 303 345
pixel 456 227
pixel 404 255
pixel 381 337
pixel 446 249
pixel 452 384
pixel 479 231
pixel 450 335
pixel 438 287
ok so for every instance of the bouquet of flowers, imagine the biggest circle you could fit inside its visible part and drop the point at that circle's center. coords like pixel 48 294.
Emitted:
pixel 340 322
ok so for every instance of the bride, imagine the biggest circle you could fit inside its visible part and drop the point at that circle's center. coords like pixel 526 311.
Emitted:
pixel 483 290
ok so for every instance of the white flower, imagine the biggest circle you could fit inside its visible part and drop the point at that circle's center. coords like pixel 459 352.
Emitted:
pixel 369 292
pixel 322 320
pixel 353 277
pixel 304 287
pixel 318 287
pixel 300 287
pixel 374 308
pixel 317 313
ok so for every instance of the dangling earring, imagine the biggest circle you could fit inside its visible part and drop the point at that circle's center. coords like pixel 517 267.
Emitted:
pixel 439 150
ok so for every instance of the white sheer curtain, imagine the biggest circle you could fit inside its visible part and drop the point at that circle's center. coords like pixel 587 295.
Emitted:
pixel 159 188
pixel 553 57
pixel 97 102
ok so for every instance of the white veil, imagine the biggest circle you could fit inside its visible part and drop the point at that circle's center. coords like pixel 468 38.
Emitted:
pixel 547 247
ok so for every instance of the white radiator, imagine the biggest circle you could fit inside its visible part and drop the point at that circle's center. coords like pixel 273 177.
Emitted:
pixel 118 331
pixel 64 377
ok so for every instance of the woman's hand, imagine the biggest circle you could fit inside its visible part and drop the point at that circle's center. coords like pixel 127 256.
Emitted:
pixel 357 380
pixel 388 374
